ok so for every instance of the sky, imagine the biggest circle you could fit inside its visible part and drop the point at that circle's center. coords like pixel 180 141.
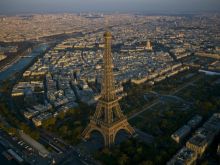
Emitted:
pixel 160 6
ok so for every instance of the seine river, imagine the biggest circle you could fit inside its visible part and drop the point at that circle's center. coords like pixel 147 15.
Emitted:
pixel 22 63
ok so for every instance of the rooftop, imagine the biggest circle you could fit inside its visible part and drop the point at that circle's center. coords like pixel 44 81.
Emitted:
pixel 36 145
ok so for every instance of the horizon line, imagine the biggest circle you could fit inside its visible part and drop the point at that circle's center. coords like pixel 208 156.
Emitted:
pixel 119 12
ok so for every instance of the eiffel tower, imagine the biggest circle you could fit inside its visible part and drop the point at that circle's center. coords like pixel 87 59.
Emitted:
pixel 108 118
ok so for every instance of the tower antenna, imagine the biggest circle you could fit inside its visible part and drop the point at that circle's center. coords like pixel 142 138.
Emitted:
pixel 106 23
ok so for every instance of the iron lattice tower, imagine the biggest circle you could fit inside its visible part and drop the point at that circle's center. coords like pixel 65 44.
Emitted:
pixel 108 118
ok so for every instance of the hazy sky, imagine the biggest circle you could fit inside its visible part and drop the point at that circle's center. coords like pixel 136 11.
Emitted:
pixel 13 6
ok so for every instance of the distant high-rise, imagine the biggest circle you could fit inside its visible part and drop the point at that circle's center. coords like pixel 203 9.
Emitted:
pixel 148 46
pixel 108 118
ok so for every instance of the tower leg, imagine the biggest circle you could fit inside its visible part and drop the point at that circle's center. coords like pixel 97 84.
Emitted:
pixel 109 140
pixel 86 132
